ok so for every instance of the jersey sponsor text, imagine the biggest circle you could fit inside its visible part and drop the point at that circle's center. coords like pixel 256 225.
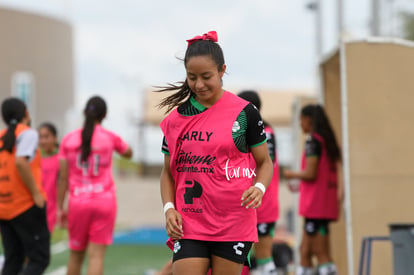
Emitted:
pixel 196 136
pixel 238 172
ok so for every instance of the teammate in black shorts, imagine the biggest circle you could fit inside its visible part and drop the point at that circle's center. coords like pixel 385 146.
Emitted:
pixel 321 190
pixel 268 212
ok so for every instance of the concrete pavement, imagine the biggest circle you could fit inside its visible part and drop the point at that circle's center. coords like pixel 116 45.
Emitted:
pixel 139 202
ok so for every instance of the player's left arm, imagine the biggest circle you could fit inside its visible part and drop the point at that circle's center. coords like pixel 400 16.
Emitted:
pixel 256 140
pixel 123 149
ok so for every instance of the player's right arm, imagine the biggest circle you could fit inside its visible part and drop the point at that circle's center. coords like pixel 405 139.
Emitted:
pixel 62 186
pixel 62 183
pixel 26 145
pixel 173 219
pixel 313 151
pixel 23 166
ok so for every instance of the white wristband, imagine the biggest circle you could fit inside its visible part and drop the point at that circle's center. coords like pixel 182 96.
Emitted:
pixel 167 206
pixel 260 186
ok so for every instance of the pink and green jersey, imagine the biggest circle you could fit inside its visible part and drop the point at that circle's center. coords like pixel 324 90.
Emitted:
pixel 50 171
pixel 93 178
pixel 318 198
pixel 210 173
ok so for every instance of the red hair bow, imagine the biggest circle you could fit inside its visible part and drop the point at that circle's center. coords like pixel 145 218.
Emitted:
pixel 207 36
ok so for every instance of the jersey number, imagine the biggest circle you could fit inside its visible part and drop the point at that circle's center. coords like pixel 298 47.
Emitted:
pixel 93 161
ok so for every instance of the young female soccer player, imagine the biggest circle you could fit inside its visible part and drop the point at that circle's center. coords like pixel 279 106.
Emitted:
pixel 207 183
pixel 86 170
pixel 268 212
pixel 25 236
pixel 319 192
pixel 49 149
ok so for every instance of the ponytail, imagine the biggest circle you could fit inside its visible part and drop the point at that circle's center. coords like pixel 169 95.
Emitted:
pixel 87 131
pixel 174 100
pixel 95 112
pixel 9 138
pixel 13 111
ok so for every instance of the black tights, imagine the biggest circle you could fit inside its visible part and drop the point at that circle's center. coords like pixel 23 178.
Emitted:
pixel 26 237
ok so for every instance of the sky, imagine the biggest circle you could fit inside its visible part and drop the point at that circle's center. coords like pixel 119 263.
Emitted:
pixel 134 44
pixel 267 43
pixel 147 40
pixel 124 47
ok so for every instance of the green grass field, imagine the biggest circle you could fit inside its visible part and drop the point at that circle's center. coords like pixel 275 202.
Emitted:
pixel 121 259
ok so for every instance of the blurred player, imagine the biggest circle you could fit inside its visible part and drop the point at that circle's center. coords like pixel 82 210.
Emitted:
pixel 321 189
pixel 49 149
pixel 268 212
pixel 24 231
pixel 86 172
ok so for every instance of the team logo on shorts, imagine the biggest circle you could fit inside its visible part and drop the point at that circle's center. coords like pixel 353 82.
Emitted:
pixel 177 246
pixel 236 248
pixel 310 227
pixel 262 228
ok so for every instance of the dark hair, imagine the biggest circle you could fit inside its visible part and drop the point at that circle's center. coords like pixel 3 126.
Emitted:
pixel 252 97
pixel 50 127
pixel 198 48
pixel 13 111
pixel 322 126
pixel 95 111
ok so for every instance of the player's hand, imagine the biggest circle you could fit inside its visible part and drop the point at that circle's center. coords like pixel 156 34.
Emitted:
pixel 174 224
pixel 293 185
pixel 62 217
pixel 252 197
pixel 39 200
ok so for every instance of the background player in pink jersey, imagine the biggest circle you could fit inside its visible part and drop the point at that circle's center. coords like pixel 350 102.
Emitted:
pixel 86 172
pixel 207 185
pixel 321 189
pixel 49 149
pixel 268 212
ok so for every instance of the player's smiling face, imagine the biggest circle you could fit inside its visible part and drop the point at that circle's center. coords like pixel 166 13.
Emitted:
pixel 204 79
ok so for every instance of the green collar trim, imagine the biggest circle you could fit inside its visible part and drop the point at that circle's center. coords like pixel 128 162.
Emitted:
pixel 197 104
pixel 44 154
